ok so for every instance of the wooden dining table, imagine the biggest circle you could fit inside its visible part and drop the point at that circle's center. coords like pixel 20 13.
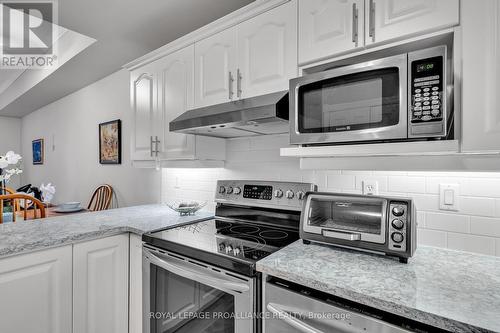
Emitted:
pixel 49 212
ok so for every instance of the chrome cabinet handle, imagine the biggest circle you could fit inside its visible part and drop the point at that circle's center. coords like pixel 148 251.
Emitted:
pixel 372 20
pixel 231 80
pixel 157 143
pixel 151 145
pixel 238 83
pixel 221 284
pixel 355 18
pixel 291 320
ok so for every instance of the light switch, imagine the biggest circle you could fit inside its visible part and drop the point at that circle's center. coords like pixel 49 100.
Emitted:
pixel 448 196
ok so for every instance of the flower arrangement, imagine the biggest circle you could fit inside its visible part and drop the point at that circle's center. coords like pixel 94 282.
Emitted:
pixel 9 166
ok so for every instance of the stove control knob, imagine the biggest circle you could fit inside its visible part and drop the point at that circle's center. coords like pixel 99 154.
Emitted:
pixel 229 190
pixel 398 224
pixel 290 194
pixel 237 190
pixel 300 195
pixel 397 237
pixel 237 251
pixel 222 190
pixel 278 193
pixel 398 211
pixel 229 249
pixel 222 247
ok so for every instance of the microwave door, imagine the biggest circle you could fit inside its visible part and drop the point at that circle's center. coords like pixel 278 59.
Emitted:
pixel 352 219
pixel 354 103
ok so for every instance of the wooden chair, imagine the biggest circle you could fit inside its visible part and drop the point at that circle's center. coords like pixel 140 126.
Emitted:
pixel 101 199
pixel 8 190
pixel 37 205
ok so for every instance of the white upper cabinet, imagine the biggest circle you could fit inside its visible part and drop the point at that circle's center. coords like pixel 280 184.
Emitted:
pixel 143 95
pixel 481 76
pixel 215 68
pixel 176 96
pixel 267 52
pixel 35 291
pixel 329 27
pixel 100 285
pixel 392 19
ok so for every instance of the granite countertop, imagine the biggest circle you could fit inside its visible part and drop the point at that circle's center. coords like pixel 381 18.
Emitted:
pixel 27 236
pixel 453 290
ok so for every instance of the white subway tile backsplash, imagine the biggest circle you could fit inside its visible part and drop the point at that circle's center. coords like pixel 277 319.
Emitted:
pixel 477 206
pixel 431 237
pixel 485 226
pixel 447 222
pixel 471 243
pixel 346 182
pixel 406 184
pixel 475 227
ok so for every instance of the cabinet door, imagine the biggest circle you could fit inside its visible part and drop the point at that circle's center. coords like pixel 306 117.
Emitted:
pixel 143 96
pixel 100 285
pixel 175 76
pixel 481 76
pixel 36 292
pixel 267 48
pixel 135 285
pixel 215 68
pixel 329 27
pixel 391 19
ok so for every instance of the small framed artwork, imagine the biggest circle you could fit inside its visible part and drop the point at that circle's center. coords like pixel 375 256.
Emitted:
pixel 110 142
pixel 37 146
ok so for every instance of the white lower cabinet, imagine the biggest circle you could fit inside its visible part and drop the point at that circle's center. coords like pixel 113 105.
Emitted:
pixel 135 287
pixel 35 292
pixel 100 285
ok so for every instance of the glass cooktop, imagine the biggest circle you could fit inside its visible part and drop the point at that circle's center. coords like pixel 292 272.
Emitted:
pixel 239 241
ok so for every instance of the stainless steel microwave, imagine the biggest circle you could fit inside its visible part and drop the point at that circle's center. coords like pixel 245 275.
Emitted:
pixel 370 223
pixel 402 97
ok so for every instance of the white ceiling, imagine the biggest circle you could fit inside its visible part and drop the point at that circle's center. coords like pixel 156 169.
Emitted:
pixel 124 30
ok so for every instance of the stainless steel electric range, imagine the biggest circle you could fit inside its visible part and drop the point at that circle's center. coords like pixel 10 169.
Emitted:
pixel 201 277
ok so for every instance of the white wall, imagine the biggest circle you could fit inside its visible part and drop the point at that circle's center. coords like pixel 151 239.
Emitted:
pixel 475 227
pixel 10 139
pixel 69 127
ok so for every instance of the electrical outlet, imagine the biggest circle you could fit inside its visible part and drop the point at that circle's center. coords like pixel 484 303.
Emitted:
pixel 370 187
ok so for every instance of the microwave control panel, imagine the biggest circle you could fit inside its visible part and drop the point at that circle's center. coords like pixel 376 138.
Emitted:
pixel 427 93
pixel 427 90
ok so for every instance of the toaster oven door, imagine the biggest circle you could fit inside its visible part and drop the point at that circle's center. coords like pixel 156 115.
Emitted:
pixel 345 217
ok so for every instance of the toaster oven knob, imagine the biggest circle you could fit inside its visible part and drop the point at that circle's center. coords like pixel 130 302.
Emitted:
pixel 237 190
pixel 397 237
pixel 398 211
pixel 290 194
pixel 229 190
pixel 222 190
pixel 397 224
pixel 300 195
pixel 278 193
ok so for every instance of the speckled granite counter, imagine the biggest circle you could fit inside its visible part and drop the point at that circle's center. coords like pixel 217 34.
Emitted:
pixel 452 290
pixel 35 235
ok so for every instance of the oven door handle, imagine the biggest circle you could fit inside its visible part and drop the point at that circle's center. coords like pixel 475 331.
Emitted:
pixel 280 313
pixel 199 276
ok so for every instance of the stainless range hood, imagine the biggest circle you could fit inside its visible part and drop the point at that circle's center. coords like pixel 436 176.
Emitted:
pixel 266 114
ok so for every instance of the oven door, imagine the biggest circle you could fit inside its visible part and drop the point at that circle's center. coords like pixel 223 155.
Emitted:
pixel 362 102
pixel 344 217
pixel 184 295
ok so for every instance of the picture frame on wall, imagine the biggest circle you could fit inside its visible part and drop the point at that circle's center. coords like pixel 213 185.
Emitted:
pixel 38 151
pixel 110 142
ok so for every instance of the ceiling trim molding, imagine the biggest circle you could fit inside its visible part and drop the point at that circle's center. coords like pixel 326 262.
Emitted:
pixel 255 8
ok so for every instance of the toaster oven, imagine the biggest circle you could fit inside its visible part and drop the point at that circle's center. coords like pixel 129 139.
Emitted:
pixel 377 224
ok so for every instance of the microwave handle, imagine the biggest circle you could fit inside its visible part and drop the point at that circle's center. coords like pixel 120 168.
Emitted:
pixel 351 236
pixel 355 24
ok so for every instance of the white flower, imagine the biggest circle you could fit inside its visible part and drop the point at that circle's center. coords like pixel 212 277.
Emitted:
pixel 48 192
pixel 3 162
pixel 12 158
